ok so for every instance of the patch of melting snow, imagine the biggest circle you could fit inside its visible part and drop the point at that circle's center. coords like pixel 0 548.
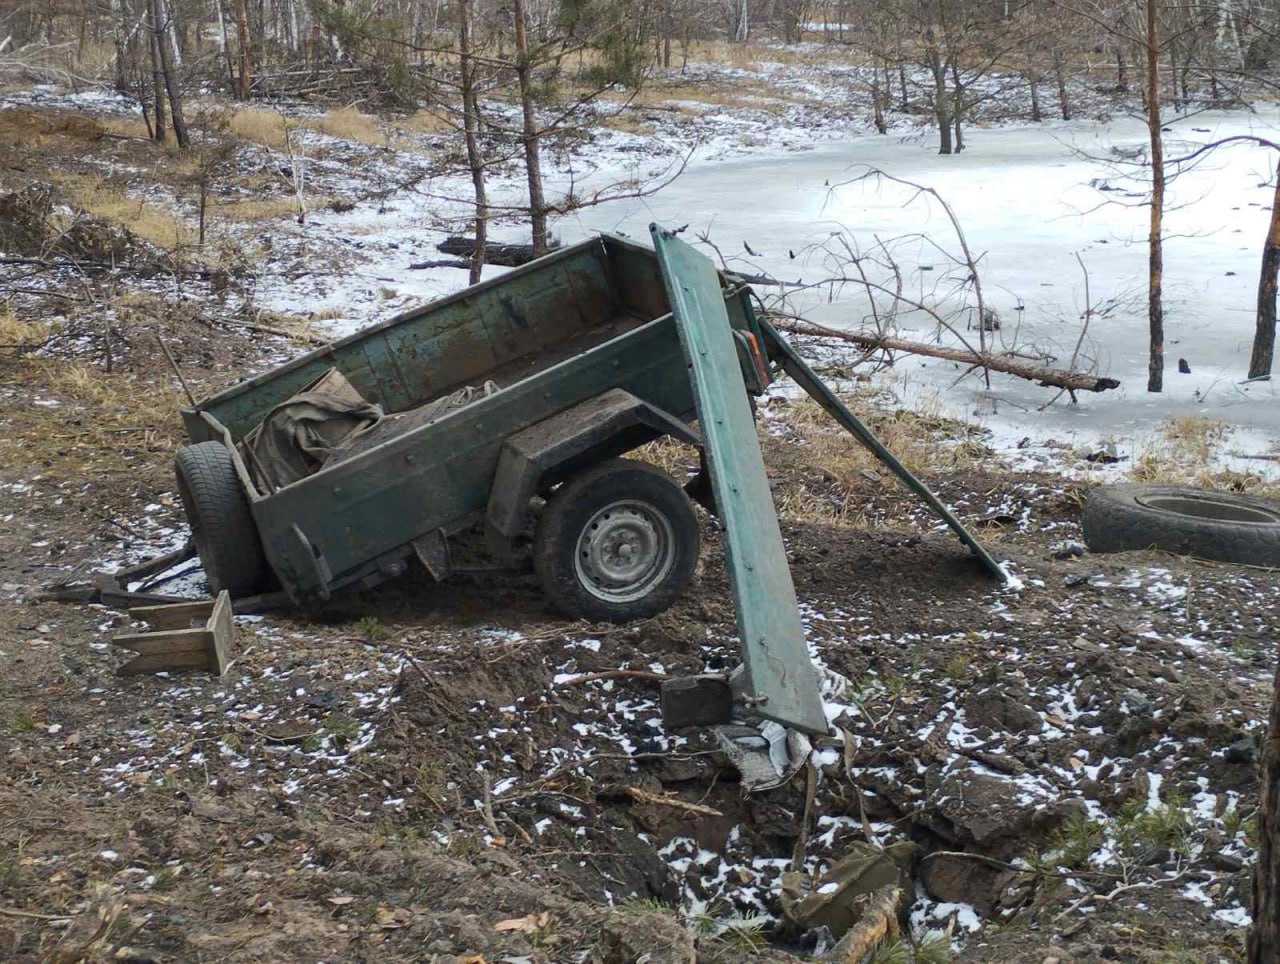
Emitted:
pixel 929 917
pixel 1236 916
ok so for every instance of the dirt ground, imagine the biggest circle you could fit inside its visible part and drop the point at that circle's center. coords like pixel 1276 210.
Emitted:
pixel 422 772
pixel 415 774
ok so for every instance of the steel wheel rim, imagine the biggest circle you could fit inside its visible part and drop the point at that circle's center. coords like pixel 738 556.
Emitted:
pixel 624 551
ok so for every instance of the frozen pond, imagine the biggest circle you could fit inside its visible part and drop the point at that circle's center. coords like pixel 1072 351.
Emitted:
pixel 1025 201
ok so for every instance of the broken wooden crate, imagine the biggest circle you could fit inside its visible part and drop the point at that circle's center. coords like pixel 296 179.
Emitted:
pixel 183 636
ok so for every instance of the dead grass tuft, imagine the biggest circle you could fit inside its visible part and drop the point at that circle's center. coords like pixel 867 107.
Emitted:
pixel 629 121
pixel 162 227
pixel 258 124
pixel 17 334
pixel 749 56
pixel 262 209
pixel 32 127
pixel 1183 454
pixel 739 92
pixel 678 459
pixel 821 474
pixel 831 483
pixel 1181 451
pixel 349 124
pixel 104 424
pixel 128 126
pixel 429 122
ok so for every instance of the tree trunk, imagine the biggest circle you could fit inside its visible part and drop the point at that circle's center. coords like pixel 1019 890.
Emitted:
pixel 226 43
pixel 1264 335
pixel 1036 114
pixel 957 111
pixel 242 41
pixel 878 99
pixel 1264 936
pixel 1063 103
pixel 159 131
pixel 1122 77
pixel 1155 238
pixel 470 127
pixel 164 41
pixel 121 33
pixel 530 135
pixel 1008 364
pixel 941 104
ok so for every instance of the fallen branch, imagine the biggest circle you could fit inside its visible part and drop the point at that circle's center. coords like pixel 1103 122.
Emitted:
pixel 269 330
pixel 697 809
pixel 643 674
pixel 879 923
pixel 1107 898
pixel 446 263
pixel 1044 374
pixel 504 255
pixel 14 912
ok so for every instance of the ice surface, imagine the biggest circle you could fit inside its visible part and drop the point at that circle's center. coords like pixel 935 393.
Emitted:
pixel 1024 198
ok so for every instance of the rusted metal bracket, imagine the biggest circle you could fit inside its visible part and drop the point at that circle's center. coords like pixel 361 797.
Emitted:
pixel 183 636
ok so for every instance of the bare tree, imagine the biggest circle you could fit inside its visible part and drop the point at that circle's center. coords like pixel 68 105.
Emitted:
pixel 162 46
pixel 530 134
pixel 1155 236
pixel 471 125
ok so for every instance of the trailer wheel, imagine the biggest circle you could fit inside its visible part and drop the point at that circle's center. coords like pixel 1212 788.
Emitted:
pixel 222 525
pixel 616 543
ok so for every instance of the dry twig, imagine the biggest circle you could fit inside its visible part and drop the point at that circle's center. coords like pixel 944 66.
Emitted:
pixel 697 809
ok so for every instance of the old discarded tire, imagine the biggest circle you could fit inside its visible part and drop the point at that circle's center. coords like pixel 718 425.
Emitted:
pixel 221 524
pixel 1193 522
pixel 616 543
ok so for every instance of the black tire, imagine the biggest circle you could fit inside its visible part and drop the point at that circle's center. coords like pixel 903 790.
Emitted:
pixel 1192 522
pixel 578 547
pixel 222 525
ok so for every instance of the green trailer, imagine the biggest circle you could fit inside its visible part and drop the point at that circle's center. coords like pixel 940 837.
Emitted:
pixel 584 351
pixel 562 367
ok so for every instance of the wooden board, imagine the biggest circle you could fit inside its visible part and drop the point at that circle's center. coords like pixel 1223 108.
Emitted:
pixel 185 636
pixel 780 679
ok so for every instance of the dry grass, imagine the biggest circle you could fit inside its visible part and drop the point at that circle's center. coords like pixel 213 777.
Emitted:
pixel 16 334
pixel 349 124
pixel 830 483
pixel 162 227
pixel 33 128
pixel 268 127
pixel 749 56
pixel 262 209
pixel 820 473
pixel 1182 450
pixel 628 121
pixel 118 400
pixel 684 97
pixel 128 126
pixel 1183 454
pixel 263 126
pixel 429 122
pixel 103 417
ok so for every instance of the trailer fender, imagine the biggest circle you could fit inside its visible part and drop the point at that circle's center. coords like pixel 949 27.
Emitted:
pixel 556 448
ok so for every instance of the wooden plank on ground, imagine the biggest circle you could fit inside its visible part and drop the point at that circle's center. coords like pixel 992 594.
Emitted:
pixel 174 645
